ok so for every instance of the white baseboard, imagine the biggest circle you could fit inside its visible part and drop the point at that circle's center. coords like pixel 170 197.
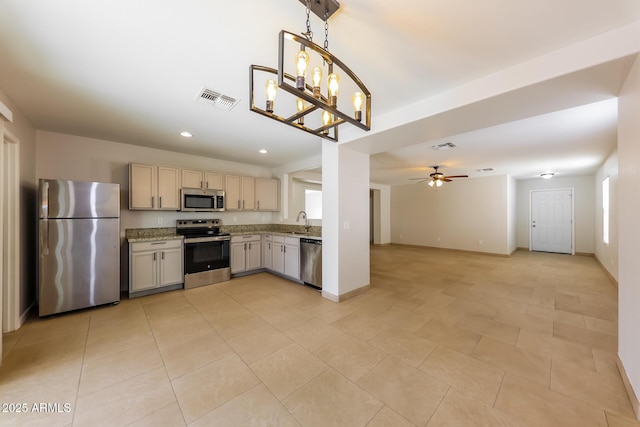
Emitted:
pixel 627 385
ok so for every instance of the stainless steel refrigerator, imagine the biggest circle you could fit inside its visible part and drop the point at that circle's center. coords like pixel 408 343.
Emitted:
pixel 79 245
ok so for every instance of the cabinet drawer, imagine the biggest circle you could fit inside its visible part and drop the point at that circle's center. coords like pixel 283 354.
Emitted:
pixel 155 245
pixel 245 238
pixel 278 239
pixel 292 241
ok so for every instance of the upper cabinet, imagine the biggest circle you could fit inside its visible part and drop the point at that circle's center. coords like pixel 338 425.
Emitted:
pixel 202 179
pixel 154 187
pixel 213 181
pixel 192 179
pixel 240 192
pixel 267 191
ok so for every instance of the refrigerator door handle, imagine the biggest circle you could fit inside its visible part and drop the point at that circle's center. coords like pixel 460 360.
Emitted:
pixel 44 237
pixel 44 202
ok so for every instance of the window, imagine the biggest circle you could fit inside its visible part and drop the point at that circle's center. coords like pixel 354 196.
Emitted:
pixel 313 203
pixel 605 210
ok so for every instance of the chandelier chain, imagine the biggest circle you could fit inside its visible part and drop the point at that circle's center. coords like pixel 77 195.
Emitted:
pixel 309 33
pixel 326 31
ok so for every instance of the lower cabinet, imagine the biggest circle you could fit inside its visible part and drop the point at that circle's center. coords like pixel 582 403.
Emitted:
pixel 245 253
pixel 286 256
pixel 154 265
pixel 267 251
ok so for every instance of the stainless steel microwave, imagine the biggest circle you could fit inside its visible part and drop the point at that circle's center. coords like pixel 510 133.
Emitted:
pixel 199 200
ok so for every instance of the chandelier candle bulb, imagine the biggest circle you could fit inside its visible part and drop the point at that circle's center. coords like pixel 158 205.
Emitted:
pixel 316 77
pixel 358 100
pixel 333 82
pixel 302 62
pixel 326 119
pixel 271 87
pixel 300 106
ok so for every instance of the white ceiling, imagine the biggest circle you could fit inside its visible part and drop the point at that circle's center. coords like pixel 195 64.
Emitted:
pixel 130 71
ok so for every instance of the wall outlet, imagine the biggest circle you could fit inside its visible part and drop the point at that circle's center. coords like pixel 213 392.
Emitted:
pixel 346 225
pixel 235 219
pixel 480 242
pixel 438 238
pixel 160 220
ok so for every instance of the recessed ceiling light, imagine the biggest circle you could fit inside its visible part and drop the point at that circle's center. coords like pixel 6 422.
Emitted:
pixel 484 170
pixel 547 175
pixel 262 151
pixel 186 134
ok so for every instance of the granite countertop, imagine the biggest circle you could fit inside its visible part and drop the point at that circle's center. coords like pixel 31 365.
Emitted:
pixel 152 238
pixel 169 233
pixel 150 234
pixel 280 233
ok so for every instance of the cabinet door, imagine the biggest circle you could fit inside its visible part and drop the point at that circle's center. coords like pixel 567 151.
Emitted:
pixel 238 263
pixel 142 186
pixel 292 261
pixel 267 251
pixel 232 192
pixel 143 271
pixel 278 257
pixel 170 267
pixel 191 179
pixel 248 193
pixel 253 255
pixel 267 194
pixel 168 188
pixel 213 181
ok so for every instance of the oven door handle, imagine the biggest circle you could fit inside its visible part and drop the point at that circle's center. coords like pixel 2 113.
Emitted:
pixel 206 239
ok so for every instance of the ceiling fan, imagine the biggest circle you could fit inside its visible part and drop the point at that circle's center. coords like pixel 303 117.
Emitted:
pixel 437 178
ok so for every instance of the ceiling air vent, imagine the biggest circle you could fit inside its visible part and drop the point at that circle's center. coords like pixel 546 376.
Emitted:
pixel 218 100
pixel 445 146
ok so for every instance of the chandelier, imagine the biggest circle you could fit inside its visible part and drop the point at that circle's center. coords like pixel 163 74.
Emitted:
pixel 310 103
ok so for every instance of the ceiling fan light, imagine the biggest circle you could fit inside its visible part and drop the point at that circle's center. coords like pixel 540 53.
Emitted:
pixel 547 175
pixel 438 183
pixel 431 183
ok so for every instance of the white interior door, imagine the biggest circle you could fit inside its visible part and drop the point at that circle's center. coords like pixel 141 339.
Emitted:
pixel 552 221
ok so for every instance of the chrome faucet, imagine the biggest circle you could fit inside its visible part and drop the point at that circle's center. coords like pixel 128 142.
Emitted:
pixel 307 226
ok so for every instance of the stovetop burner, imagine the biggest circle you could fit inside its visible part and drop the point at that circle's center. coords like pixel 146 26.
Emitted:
pixel 199 227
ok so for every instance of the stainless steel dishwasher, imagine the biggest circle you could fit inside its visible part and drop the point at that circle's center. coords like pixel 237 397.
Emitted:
pixel 311 262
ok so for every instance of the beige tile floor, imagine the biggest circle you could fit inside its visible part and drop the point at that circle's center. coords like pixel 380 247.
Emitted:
pixel 442 339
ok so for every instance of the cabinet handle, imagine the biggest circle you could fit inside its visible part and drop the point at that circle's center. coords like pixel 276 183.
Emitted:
pixel 245 246
pixel 200 184
pixel 238 204
pixel 243 204
pixel 152 202
pixel 258 205
pixel 154 256
pixel 158 243
pixel 162 254
pixel 249 246
pixel 160 202
pixel 207 185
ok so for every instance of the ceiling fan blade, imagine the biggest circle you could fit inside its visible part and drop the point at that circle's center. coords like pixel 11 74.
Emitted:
pixel 412 179
pixel 457 176
pixel 445 179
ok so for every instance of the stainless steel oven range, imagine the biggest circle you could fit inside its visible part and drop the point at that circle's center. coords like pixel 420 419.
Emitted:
pixel 206 252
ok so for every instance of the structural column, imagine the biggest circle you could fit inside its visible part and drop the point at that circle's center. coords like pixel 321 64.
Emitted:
pixel 345 222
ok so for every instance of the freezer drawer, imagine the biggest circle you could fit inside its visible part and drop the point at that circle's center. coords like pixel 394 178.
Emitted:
pixel 79 263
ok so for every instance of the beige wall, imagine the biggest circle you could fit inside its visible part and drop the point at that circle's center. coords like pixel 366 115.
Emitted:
pixel 468 214
pixel 22 129
pixel 607 254
pixel 629 225
pixel 583 199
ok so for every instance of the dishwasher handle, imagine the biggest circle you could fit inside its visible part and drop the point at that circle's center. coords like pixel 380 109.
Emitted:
pixel 311 241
